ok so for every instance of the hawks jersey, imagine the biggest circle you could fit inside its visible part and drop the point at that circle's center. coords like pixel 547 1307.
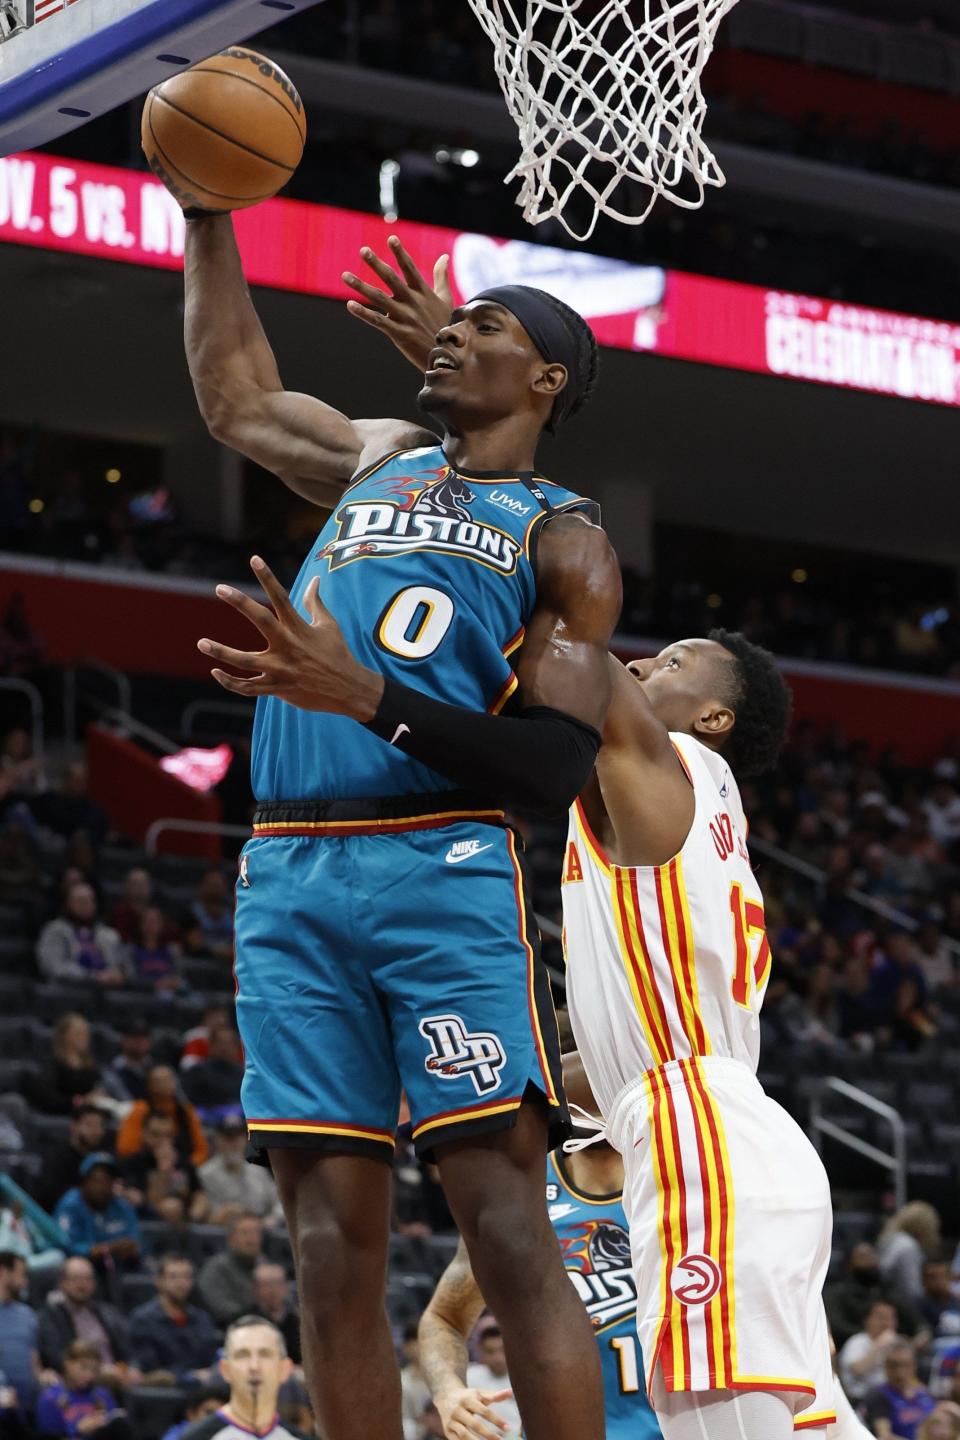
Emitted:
pixel 670 961
pixel 430 573
pixel 594 1239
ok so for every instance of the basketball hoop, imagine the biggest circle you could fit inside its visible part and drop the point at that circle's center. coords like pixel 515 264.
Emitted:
pixel 605 92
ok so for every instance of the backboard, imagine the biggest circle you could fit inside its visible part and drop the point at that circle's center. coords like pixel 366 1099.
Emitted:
pixel 62 62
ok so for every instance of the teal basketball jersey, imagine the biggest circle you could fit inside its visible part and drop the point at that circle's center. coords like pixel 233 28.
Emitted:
pixel 431 575
pixel 595 1241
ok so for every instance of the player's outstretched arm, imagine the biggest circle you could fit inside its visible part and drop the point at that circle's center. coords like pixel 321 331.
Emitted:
pixel 647 796
pixel 313 448
pixel 445 1327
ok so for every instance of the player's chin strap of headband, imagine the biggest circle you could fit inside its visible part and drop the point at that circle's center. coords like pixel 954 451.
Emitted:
pixel 584 1121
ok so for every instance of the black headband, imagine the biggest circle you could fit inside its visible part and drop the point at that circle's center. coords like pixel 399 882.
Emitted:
pixel 552 335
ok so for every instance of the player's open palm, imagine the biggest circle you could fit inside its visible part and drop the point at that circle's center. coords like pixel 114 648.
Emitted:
pixel 466 1414
pixel 408 312
pixel 306 661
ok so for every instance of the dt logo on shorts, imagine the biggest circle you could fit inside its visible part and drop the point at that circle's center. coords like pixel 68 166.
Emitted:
pixel 696 1279
pixel 455 1052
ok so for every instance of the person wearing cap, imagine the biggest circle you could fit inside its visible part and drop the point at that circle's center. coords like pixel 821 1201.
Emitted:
pixel 394 950
pixel 61 1164
pixel 97 1222
pixel 230 1184
pixel 126 1075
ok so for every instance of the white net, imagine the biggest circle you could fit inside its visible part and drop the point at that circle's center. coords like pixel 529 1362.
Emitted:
pixel 605 93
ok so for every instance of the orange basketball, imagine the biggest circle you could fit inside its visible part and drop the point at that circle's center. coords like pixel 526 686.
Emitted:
pixel 226 133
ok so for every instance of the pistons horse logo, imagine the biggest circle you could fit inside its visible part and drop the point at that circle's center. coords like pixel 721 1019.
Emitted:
pixel 450 495
pixel 419 512
pixel 596 1254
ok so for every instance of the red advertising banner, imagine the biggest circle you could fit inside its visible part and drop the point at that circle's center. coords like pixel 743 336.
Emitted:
pixel 290 245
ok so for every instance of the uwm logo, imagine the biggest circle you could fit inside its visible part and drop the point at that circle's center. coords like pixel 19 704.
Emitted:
pixel 509 502
pixel 456 1052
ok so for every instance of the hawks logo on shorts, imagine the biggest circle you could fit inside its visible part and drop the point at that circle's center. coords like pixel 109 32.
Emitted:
pixel 596 1254
pixel 696 1279
pixel 455 1052
pixel 417 516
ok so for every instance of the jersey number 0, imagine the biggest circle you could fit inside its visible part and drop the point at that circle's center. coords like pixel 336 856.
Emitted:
pixel 415 622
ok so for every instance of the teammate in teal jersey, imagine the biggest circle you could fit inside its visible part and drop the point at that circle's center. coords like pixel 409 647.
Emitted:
pixel 383 929
pixel 584 1201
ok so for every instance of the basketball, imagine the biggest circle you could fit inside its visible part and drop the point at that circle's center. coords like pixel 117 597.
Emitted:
pixel 227 133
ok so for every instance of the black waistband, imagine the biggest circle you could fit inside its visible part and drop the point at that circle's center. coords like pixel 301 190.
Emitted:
pixel 442 806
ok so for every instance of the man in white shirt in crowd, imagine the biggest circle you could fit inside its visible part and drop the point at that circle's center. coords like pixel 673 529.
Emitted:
pixel 489 1372
pixel 230 1184
pixel 861 1360
pixel 414 1390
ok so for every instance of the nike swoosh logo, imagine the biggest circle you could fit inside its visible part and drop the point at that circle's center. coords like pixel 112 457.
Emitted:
pixel 458 859
pixel 400 730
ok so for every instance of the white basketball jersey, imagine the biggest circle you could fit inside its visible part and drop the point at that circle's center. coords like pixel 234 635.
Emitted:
pixel 670 961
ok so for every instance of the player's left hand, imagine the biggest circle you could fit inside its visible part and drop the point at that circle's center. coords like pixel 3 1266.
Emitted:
pixel 306 662
pixel 409 313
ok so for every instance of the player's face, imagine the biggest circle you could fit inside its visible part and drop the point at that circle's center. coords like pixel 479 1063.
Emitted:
pixel 484 367
pixel 681 685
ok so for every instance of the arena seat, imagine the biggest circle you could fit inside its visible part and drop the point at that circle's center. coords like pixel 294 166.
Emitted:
pixel 930 1097
pixel 209 1239
pixel 276 1247
pixel 136 1290
pixel 51 1130
pixel 153 1409
pixel 52 999
pixel 16 1039
pixel 163 1239
pixel 16 956
pixel 944 1135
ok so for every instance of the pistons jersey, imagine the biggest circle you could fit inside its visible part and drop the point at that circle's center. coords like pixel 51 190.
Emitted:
pixel 670 961
pixel 430 573
pixel 595 1242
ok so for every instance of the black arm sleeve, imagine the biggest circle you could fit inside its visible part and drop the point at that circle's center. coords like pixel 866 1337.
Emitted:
pixel 537 762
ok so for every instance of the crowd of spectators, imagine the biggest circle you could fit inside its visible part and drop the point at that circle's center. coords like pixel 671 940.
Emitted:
pixel 134 1232
pixel 894 1314
pixel 865 927
pixel 846 623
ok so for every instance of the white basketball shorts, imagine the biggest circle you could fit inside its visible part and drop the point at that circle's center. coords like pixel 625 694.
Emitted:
pixel 730 1227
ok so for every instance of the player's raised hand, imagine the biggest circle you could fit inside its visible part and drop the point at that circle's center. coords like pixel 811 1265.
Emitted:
pixel 466 1414
pixel 306 662
pixel 408 312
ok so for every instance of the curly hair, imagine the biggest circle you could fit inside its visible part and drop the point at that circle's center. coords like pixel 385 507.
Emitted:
pixel 588 358
pixel 762 701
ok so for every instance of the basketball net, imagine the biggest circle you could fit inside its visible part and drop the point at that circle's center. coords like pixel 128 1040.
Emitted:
pixel 605 92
